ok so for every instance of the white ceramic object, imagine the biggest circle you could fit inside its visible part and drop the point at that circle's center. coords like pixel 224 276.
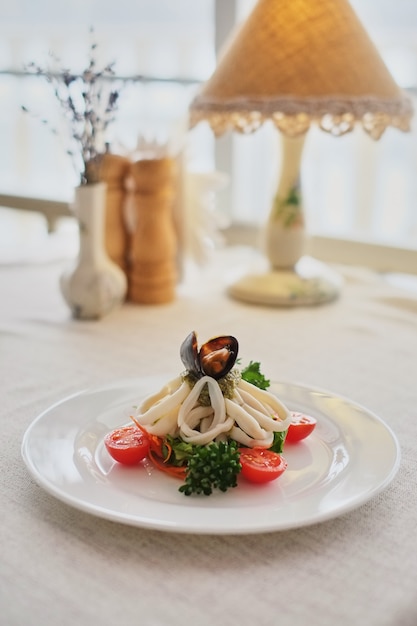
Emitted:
pixel 96 285
pixel 310 282
pixel 284 245
pixel 349 458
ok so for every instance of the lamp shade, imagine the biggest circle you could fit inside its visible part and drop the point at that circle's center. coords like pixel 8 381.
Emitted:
pixel 298 61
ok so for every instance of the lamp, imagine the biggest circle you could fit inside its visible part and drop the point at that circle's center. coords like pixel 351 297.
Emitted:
pixel 295 62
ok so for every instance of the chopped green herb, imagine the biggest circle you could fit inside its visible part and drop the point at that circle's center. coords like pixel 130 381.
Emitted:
pixel 227 385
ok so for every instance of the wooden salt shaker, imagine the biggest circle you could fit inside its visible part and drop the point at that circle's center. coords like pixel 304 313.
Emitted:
pixel 152 271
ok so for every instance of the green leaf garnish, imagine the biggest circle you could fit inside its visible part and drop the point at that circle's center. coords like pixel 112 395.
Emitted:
pixel 252 374
pixel 278 443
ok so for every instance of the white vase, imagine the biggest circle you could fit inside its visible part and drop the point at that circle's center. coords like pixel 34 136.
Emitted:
pixel 96 285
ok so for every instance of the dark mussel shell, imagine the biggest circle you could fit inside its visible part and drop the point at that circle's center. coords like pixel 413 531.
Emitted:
pixel 215 358
pixel 218 356
pixel 189 355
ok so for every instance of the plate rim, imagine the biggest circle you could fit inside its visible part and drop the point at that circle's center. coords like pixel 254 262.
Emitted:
pixel 174 527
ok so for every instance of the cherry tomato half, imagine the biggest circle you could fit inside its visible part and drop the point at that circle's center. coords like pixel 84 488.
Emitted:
pixel 260 465
pixel 301 426
pixel 127 445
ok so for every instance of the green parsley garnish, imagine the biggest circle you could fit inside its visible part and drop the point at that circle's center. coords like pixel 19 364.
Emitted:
pixel 252 374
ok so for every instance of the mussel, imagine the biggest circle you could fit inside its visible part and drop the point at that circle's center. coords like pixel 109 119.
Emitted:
pixel 215 358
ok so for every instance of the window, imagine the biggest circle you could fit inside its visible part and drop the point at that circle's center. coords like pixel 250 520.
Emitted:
pixel 354 188
pixel 164 39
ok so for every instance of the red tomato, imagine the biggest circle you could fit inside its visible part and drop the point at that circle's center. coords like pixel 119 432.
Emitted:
pixel 301 427
pixel 260 465
pixel 127 445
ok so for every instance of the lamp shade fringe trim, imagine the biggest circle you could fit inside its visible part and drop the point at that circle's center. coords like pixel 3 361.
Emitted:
pixel 293 117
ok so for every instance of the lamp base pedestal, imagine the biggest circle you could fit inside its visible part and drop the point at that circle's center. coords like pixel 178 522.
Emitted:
pixel 310 282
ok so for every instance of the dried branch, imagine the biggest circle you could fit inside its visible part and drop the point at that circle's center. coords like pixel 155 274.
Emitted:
pixel 88 110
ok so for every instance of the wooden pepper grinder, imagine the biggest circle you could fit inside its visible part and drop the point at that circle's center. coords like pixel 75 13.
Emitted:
pixel 113 171
pixel 152 271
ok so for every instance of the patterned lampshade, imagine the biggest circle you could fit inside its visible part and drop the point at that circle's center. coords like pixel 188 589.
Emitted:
pixel 300 61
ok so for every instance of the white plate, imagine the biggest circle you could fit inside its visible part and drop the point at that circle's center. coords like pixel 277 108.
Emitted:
pixel 349 458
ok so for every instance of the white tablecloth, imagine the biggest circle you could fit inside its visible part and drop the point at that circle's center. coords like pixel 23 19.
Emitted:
pixel 63 566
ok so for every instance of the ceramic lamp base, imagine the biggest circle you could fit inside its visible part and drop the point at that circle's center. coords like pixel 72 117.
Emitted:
pixel 309 283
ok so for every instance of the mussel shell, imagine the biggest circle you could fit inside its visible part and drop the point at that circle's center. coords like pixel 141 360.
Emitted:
pixel 189 355
pixel 218 356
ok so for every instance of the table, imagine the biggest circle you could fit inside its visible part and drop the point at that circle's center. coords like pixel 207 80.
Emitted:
pixel 63 566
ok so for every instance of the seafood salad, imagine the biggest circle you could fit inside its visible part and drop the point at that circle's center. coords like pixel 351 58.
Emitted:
pixel 210 401
pixel 212 423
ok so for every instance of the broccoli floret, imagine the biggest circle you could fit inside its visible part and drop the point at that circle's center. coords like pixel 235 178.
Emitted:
pixel 214 466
